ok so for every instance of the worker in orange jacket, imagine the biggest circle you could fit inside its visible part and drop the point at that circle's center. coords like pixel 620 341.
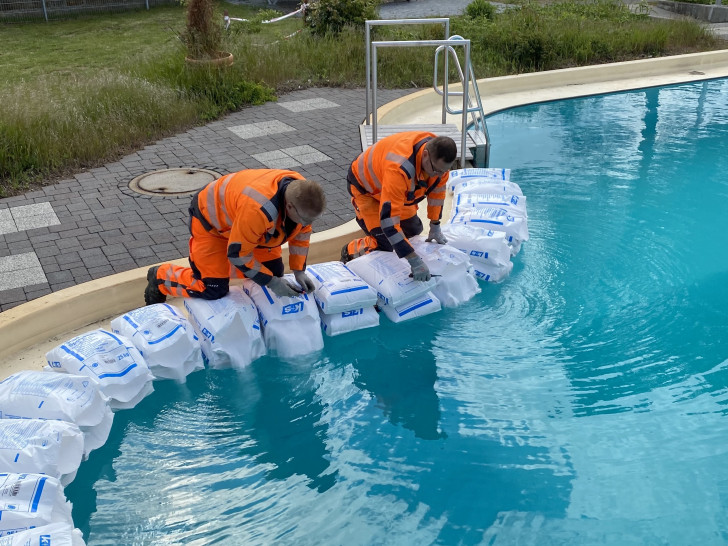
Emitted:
pixel 238 224
pixel 387 181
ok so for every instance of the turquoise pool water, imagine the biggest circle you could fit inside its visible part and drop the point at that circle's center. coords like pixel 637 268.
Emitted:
pixel 581 401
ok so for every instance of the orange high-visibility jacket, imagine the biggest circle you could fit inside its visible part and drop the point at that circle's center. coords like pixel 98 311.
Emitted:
pixel 248 209
pixel 391 172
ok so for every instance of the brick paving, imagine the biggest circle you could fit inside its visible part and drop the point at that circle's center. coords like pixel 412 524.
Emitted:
pixel 94 225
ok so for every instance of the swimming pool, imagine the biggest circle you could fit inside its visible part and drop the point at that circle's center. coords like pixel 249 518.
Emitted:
pixel 582 401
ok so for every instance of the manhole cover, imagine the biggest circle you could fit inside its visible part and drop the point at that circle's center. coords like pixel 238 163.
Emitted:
pixel 173 182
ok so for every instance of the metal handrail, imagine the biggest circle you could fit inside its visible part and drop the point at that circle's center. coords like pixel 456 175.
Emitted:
pixel 390 22
pixel 477 113
pixel 421 43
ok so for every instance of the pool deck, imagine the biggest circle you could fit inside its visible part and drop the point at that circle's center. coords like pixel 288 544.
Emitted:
pixel 86 242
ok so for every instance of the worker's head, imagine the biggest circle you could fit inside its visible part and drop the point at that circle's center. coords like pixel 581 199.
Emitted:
pixel 439 155
pixel 305 201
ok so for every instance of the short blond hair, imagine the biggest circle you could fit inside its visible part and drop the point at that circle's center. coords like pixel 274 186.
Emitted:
pixel 307 196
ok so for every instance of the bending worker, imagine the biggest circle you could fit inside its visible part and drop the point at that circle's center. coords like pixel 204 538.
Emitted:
pixel 238 224
pixel 387 181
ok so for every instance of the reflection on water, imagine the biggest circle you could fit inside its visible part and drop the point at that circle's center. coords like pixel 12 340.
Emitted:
pixel 581 401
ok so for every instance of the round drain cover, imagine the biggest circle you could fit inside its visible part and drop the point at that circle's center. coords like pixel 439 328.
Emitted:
pixel 173 182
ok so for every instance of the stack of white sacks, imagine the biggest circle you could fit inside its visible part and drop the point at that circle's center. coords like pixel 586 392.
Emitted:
pixel 345 301
pixel 488 220
pixel 50 422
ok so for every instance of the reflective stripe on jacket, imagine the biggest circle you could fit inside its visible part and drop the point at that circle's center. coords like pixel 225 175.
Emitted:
pixel 391 172
pixel 248 208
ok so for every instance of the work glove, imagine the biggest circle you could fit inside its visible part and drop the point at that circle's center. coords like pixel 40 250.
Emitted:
pixel 420 271
pixel 436 234
pixel 281 288
pixel 303 280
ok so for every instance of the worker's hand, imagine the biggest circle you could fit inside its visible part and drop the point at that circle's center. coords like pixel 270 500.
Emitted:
pixel 436 234
pixel 420 271
pixel 303 280
pixel 280 287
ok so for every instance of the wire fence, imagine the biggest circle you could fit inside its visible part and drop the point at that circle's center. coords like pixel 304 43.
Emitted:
pixel 34 10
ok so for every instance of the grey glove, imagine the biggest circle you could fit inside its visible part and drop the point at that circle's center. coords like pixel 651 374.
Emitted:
pixel 303 280
pixel 280 287
pixel 420 271
pixel 436 234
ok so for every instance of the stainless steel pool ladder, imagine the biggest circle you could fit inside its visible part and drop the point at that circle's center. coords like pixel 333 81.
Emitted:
pixel 474 139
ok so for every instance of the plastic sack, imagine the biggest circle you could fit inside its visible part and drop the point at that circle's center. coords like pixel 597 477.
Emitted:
pixel 480 245
pixel 390 277
pixel 291 326
pixel 418 307
pixel 53 534
pixel 228 329
pixel 30 500
pixel 455 285
pixel 457 176
pixel 491 273
pixel 334 324
pixel 110 360
pixel 339 289
pixel 164 338
pixel 497 219
pixel 479 200
pixel 47 447
pixel 72 398
pixel 487 185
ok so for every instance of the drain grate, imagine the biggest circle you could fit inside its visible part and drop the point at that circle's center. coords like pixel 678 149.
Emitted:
pixel 173 182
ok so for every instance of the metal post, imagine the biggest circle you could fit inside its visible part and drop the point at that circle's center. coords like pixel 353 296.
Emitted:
pixel 466 88
pixel 445 73
pixel 374 96
pixel 368 67
pixel 45 12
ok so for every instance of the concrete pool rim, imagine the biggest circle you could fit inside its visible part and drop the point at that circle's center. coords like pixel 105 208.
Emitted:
pixel 30 328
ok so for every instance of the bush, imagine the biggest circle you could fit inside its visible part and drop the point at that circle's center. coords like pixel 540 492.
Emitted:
pixel 480 9
pixel 332 16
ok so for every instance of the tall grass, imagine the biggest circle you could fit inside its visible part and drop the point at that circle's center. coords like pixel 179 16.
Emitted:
pixel 52 122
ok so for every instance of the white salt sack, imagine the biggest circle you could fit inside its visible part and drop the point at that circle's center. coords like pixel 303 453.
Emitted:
pixel 109 359
pixel 334 324
pixel 514 203
pixel 72 398
pixel 41 446
pixel 480 245
pixel 456 284
pixel 31 500
pixel 486 185
pixel 291 326
pixel 228 329
pixel 457 176
pixel 390 277
pixel 418 307
pixel 491 273
pixel 339 289
pixel 164 338
pixel 497 219
pixel 53 534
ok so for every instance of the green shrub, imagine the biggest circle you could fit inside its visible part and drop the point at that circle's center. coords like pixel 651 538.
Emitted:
pixel 332 16
pixel 480 9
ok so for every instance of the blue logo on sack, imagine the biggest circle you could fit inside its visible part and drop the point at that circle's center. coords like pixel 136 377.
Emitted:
pixel 514 199
pixel 476 253
pixel 292 308
pixel 45 540
pixel 352 313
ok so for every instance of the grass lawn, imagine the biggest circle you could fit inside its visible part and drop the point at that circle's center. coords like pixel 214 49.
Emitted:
pixel 82 92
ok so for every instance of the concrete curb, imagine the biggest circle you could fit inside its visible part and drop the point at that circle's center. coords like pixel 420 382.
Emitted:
pixel 702 12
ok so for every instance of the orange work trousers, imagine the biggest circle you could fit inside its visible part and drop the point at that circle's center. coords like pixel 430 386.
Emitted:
pixel 210 271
